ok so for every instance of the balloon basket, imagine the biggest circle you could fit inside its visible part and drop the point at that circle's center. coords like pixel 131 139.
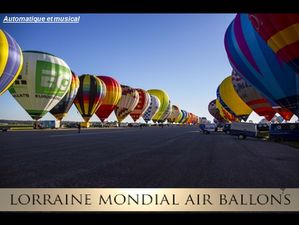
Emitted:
pixel 85 124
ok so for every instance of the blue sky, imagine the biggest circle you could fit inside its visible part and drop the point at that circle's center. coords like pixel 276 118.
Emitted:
pixel 181 53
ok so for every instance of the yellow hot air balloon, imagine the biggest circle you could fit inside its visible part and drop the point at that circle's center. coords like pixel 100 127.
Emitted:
pixel 224 113
pixel 164 103
pixel 232 100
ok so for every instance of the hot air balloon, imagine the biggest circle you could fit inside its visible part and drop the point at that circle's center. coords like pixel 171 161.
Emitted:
pixel 164 102
pixel 166 113
pixel 179 117
pixel 184 116
pixel 127 103
pixel 61 109
pixel 43 82
pixel 252 97
pixel 256 62
pixel 11 61
pixel 281 33
pixel 224 113
pixel 175 113
pixel 152 109
pixel 143 104
pixel 231 99
pixel 90 96
pixel 113 95
pixel 214 111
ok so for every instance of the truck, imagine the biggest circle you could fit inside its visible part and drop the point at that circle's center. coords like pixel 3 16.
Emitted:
pixel 49 124
pixel 284 132
pixel 243 130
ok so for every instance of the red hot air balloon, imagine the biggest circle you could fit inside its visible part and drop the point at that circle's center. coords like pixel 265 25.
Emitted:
pixel 142 105
pixel 281 32
pixel 113 95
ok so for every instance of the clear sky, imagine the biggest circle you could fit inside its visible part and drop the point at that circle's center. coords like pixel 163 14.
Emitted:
pixel 181 53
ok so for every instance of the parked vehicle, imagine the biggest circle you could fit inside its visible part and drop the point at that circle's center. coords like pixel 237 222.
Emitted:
pixel 284 132
pixel 207 128
pixel 226 128
pixel 49 124
pixel 243 130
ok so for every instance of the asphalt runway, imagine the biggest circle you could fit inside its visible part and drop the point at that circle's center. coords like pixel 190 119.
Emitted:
pixel 143 157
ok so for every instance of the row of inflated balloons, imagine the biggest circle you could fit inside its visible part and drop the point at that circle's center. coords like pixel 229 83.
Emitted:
pixel 263 50
pixel 41 82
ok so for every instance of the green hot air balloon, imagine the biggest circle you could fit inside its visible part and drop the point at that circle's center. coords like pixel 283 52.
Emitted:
pixel 164 103
pixel 42 83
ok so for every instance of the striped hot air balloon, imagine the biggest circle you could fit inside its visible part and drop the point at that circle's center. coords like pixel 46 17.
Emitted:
pixel 184 116
pixel 61 109
pixel 11 61
pixel 42 83
pixel 255 61
pixel 90 95
pixel 152 109
pixel 127 103
pixel 113 95
pixel 143 103
pixel 281 33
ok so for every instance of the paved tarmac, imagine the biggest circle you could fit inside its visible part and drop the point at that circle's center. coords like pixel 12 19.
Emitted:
pixel 143 157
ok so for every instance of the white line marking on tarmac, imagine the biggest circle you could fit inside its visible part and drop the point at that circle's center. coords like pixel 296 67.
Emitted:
pixel 193 131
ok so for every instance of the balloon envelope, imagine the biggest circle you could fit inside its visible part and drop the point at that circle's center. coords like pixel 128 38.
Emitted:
pixel 142 105
pixel 214 111
pixel 152 109
pixel 164 102
pixel 281 33
pixel 90 95
pixel 256 62
pixel 252 97
pixel 42 83
pixel 113 95
pixel 11 61
pixel 127 103
pixel 61 109
pixel 175 113
pixel 232 100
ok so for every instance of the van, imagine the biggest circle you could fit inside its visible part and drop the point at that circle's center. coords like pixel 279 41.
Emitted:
pixel 243 130
pixel 284 132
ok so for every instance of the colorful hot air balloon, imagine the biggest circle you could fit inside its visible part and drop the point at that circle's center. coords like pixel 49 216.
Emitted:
pixel 11 61
pixel 113 95
pixel 127 103
pixel 152 109
pixel 256 62
pixel 281 33
pixel 175 113
pixel 179 117
pixel 166 113
pixel 252 97
pixel 90 96
pixel 231 99
pixel 164 102
pixel 214 111
pixel 43 82
pixel 224 113
pixel 62 108
pixel 184 116
pixel 143 104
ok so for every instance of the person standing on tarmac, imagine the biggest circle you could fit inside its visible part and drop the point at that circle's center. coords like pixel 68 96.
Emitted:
pixel 79 128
